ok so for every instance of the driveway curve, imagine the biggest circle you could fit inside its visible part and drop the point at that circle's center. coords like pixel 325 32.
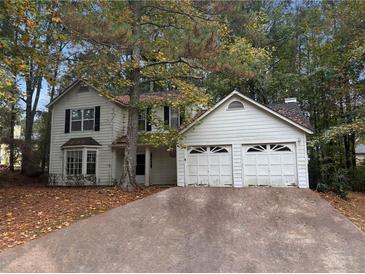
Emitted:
pixel 202 230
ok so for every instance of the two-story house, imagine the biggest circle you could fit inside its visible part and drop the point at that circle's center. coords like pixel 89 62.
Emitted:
pixel 238 142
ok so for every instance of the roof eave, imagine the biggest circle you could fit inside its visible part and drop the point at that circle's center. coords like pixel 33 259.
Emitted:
pixel 66 90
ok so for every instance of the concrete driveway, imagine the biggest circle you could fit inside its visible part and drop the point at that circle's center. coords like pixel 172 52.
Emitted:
pixel 202 230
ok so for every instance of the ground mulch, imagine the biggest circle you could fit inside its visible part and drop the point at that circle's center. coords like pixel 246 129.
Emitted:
pixel 353 207
pixel 29 209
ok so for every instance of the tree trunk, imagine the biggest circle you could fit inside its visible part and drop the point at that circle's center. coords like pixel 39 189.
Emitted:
pixel 34 84
pixel 11 137
pixel 352 149
pixel 130 153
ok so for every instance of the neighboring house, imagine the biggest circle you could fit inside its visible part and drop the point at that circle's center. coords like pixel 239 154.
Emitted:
pixel 238 142
pixel 4 150
pixel 360 154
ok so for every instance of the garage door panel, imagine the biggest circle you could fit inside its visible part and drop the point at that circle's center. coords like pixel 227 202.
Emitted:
pixel 251 180
pixel 203 170
pixel 263 170
pixel 250 158
pixel 270 164
pixel 250 170
pixel 203 159
pixel 288 158
pixel 214 160
pixel 193 160
pixel 226 170
pixel 276 180
pixel 289 170
pixel 262 159
pixel 226 159
pixel 214 170
pixel 193 170
pixel 193 180
pixel 263 180
pixel 276 170
pixel 212 165
pixel 214 180
pixel 275 158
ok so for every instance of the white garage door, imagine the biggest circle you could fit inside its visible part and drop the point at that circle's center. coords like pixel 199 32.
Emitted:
pixel 209 165
pixel 269 164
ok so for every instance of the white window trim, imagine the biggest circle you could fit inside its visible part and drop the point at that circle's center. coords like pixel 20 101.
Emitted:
pixel 178 118
pixel 82 119
pixel 84 160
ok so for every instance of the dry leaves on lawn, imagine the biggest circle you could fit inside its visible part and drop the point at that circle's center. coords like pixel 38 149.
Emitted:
pixel 26 212
pixel 353 207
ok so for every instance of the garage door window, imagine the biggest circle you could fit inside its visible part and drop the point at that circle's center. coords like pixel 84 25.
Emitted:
pixel 198 150
pixel 271 147
pixel 258 148
pixel 279 148
pixel 218 150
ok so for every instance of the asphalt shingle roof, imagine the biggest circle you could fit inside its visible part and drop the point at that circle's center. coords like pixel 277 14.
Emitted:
pixel 293 112
pixel 84 141
pixel 148 97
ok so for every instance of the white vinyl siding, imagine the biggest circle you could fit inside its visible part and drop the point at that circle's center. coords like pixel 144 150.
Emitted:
pixel 111 124
pixel 239 127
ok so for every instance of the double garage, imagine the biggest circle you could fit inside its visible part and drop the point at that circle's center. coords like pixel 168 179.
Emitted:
pixel 240 143
pixel 271 164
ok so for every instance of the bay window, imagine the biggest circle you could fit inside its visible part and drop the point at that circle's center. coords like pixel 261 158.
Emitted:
pixel 91 162
pixel 81 161
pixel 74 162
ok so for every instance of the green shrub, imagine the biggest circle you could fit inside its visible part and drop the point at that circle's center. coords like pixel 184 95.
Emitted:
pixel 335 179
pixel 357 179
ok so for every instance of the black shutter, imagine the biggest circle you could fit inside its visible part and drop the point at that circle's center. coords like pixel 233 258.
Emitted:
pixel 97 118
pixel 182 116
pixel 67 121
pixel 166 115
pixel 148 117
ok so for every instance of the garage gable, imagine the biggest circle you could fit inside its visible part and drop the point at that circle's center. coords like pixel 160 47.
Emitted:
pixel 242 143
pixel 236 102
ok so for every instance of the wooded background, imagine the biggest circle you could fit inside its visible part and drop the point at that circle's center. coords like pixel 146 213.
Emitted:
pixel 268 50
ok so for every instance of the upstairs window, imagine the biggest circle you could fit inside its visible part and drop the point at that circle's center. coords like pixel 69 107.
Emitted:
pixel 142 121
pixel 235 105
pixel 76 120
pixel 174 118
pixel 82 119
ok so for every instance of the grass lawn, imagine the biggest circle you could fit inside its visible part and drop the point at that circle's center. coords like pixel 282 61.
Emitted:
pixel 29 209
pixel 353 207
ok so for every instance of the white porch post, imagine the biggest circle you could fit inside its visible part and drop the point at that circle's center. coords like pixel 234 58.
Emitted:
pixel 147 166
